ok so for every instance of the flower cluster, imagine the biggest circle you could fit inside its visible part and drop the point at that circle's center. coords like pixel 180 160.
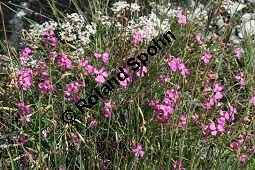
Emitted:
pixel 24 112
pixel 170 100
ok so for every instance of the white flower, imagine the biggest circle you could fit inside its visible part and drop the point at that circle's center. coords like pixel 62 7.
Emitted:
pixel 233 7
pixel 21 13
pixel 119 6
pixel 135 7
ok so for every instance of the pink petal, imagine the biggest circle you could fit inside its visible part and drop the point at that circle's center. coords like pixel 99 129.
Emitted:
pixel 97 55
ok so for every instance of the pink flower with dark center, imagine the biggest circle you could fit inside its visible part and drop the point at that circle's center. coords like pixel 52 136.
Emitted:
pixel 138 151
pixel 162 117
pixel 137 37
pixel 206 58
pixel 101 75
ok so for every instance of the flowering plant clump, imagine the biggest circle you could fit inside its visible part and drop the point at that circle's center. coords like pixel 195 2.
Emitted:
pixel 189 104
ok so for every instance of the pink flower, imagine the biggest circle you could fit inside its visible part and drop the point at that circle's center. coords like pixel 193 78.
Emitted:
pixel 49 36
pixel 195 117
pixel 252 100
pixel 181 18
pixel 178 166
pixel 93 122
pixel 138 151
pixel 61 168
pixel 237 144
pixel 25 53
pixel 185 72
pixel 213 129
pixel 138 73
pixel 24 79
pixel 127 80
pixel 177 63
pixel 240 77
pixel 109 104
pixel 182 124
pixel 218 96
pixel 30 154
pixel 75 138
pixel 88 68
pixel 21 139
pixel 105 56
pixel 97 55
pixel 242 158
pixel 217 89
pixel 153 102
pixel 101 74
pixel 137 37
pixel 206 58
pixel 54 41
pixel 24 111
pixel 64 61
pixel 198 38
pixel 106 113
pixel 162 117
pixel 163 79
pixel 48 33
pixel 251 151
pixel 73 89
pixel 45 133
pixel 46 87
pixel 238 53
